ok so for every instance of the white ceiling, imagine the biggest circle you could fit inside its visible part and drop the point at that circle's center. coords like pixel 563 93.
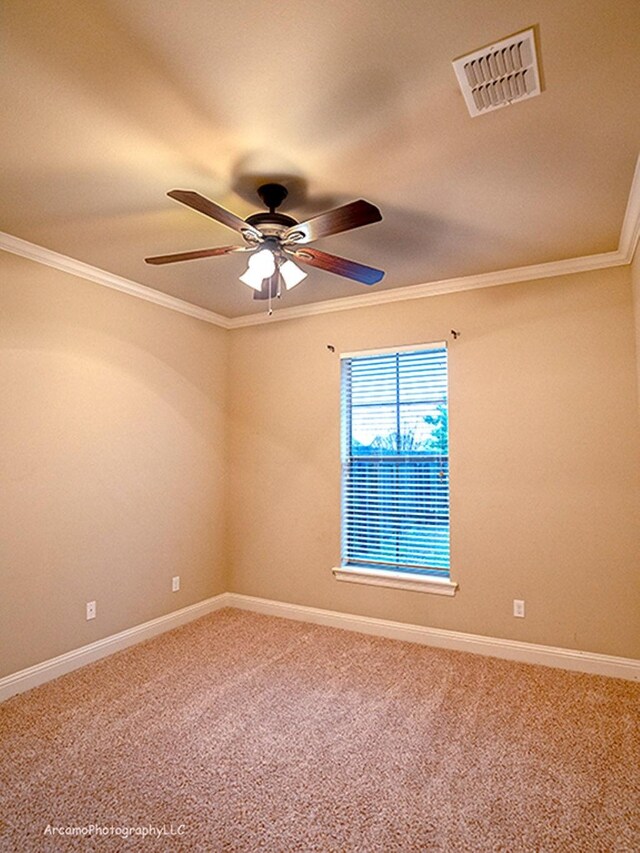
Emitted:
pixel 114 102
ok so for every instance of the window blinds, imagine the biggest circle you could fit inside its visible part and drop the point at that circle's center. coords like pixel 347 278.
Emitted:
pixel 395 460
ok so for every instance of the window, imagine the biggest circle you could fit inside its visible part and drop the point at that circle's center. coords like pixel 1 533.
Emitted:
pixel 395 469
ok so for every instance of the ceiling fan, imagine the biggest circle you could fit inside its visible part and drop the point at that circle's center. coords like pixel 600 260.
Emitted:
pixel 274 240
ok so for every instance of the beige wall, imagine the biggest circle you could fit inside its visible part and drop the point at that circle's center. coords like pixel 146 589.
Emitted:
pixel 545 460
pixel 120 420
pixel 112 461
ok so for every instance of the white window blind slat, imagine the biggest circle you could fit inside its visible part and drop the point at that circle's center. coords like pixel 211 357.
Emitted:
pixel 395 460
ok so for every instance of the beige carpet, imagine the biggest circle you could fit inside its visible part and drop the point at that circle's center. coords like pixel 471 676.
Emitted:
pixel 245 732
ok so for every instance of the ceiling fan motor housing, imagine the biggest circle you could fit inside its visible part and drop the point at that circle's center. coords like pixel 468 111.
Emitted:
pixel 271 224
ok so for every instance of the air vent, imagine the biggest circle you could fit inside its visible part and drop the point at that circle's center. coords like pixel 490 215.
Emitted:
pixel 499 75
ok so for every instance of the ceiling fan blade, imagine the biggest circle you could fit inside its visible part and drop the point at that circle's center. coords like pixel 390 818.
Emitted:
pixel 203 205
pixel 339 266
pixel 345 218
pixel 198 253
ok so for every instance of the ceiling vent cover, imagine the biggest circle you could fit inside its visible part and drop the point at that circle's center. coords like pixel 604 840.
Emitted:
pixel 499 75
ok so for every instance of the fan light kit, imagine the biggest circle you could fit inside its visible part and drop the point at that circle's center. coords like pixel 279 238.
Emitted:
pixel 275 241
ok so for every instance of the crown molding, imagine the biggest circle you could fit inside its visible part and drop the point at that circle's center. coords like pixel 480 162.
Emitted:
pixel 48 257
pixel 630 231
pixel 438 288
pixel 629 236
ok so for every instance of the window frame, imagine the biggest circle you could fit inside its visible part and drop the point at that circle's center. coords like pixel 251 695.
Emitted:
pixel 417 581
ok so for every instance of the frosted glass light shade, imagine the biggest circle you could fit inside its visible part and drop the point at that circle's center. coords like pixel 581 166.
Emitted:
pixel 292 274
pixel 261 265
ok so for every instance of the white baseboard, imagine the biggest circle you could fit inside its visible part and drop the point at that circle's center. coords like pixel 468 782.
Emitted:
pixel 576 661
pixel 25 679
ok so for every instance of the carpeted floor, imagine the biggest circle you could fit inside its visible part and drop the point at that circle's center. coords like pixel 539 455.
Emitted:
pixel 245 732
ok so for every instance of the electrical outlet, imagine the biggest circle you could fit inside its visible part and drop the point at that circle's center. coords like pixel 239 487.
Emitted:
pixel 518 608
pixel 175 583
pixel 91 610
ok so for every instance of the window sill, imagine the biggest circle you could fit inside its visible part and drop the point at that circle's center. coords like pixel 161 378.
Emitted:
pixel 398 580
